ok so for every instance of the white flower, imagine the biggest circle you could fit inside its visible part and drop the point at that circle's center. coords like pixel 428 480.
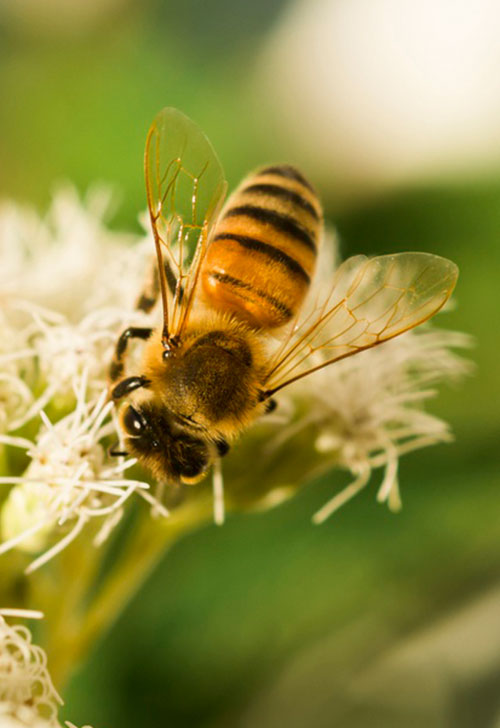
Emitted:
pixel 16 362
pixel 28 698
pixel 69 261
pixel 369 412
pixel 68 482
pixel 67 286
pixel 363 413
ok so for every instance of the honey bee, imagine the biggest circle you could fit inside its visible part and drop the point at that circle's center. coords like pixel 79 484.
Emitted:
pixel 230 279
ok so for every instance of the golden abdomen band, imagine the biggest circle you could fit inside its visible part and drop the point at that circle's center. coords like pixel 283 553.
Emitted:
pixel 260 261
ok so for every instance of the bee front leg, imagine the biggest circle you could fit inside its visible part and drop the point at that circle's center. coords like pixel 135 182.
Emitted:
pixel 133 332
pixel 128 385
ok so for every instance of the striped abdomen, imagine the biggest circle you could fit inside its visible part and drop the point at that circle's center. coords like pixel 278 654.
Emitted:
pixel 263 251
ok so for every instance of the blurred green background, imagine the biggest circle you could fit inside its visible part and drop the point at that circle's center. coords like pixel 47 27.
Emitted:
pixel 372 619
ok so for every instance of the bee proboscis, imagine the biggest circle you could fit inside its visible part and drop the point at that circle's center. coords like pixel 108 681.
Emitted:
pixel 229 278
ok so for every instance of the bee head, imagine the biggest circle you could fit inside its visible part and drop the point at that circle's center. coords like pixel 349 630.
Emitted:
pixel 162 445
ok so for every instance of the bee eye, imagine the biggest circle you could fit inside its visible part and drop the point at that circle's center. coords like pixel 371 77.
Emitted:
pixel 134 422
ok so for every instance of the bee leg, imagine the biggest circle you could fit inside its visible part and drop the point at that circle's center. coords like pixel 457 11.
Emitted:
pixel 175 288
pixel 133 332
pixel 148 297
pixel 222 447
pixel 271 405
pixel 128 385
pixel 114 453
pixel 151 290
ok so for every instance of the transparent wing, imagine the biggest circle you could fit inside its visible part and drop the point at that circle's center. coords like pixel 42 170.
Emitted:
pixel 185 189
pixel 370 301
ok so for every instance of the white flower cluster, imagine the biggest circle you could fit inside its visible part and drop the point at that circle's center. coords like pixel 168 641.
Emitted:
pixel 28 698
pixel 365 412
pixel 370 413
pixel 67 482
pixel 67 287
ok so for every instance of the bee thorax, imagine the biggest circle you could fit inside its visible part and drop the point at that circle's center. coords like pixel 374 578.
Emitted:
pixel 213 380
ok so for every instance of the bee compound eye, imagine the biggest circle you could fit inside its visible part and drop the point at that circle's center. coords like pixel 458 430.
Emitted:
pixel 133 422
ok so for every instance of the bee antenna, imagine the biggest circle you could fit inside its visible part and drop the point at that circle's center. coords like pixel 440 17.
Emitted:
pixel 114 453
pixel 218 491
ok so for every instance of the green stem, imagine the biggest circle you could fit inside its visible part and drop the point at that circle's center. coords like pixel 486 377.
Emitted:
pixel 75 631
pixel 60 592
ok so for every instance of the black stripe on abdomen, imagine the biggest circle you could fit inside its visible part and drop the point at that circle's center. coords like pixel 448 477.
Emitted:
pixel 270 251
pixel 286 170
pixel 283 193
pixel 243 286
pixel 281 223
